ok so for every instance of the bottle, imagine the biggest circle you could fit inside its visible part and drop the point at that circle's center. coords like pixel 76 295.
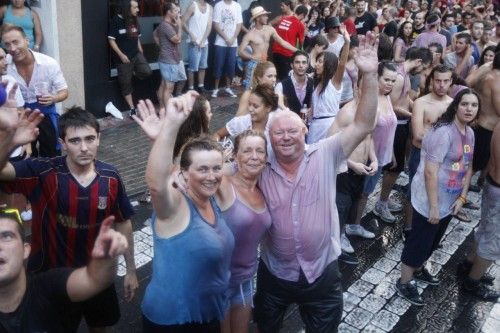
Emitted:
pixel 303 113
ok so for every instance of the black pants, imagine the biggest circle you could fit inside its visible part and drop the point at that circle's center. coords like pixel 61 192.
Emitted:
pixel 46 140
pixel 320 302
pixel 282 64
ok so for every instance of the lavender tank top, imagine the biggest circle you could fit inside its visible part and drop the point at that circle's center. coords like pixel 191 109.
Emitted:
pixel 248 227
pixel 383 135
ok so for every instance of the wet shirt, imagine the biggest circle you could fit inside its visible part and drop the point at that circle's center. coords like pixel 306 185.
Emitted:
pixel 66 215
pixel 42 306
pixel 453 152
pixel 304 233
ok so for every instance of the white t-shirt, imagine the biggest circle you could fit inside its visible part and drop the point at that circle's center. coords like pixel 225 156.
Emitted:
pixel 228 17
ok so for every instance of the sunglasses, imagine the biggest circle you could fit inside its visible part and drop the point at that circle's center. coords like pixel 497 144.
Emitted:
pixel 11 212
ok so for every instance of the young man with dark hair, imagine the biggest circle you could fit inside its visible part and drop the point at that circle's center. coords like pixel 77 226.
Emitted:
pixel 291 29
pixel 297 87
pixel 431 35
pixel 41 302
pixel 71 196
pixel 364 21
pixel 461 59
pixel 418 24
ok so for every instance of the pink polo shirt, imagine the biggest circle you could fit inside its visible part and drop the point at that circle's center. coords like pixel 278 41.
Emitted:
pixel 305 226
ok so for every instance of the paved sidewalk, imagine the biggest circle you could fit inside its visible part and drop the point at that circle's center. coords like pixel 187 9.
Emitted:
pixel 370 301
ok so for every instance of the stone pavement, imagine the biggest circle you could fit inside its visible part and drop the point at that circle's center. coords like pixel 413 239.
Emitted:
pixel 370 301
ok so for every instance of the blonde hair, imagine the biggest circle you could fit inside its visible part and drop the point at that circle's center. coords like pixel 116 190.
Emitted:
pixel 259 71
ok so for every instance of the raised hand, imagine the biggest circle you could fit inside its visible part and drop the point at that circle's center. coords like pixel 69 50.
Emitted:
pixel 345 33
pixel 27 127
pixel 149 121
pixel 109 243
pixel 365 56
pixel 179 108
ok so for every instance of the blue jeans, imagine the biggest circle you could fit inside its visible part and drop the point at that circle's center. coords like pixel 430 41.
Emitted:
pixel 225 61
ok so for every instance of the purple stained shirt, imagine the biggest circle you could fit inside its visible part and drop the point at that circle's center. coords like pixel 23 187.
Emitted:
pixel 305 226
pixel 429 37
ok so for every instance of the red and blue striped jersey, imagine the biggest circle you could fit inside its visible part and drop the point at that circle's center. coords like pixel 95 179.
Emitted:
pixel 66 215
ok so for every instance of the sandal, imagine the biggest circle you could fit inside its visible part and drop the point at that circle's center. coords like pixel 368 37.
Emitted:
pixel 471 205
pixel 462 216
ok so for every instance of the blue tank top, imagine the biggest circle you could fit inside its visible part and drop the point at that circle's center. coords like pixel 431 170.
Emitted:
pixel 25 22
pixel 190 272
pixel 248 227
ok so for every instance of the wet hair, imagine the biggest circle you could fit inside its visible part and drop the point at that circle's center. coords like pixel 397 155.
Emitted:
pixel 168 5
pixel 201 143
pixel 432 19
pixel 267 94
pixel 481 59
pixel 77 117
pixel 438 46
pixel 448 116
pixel 422 53
pixel 245 134
pixel 445 16
pixel 20 228
pixel 386 65
pixel 437 69
pixel 195 125
pixel 496 61
pixel 300 53
pixel 401 33
pixel 301 10
pixel 330 64
pixel 385 50
pixel 319 39
pixel 260 70
pixel 6 28
pixel 464 35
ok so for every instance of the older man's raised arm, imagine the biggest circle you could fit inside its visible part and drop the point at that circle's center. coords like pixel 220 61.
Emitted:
pixel 364 122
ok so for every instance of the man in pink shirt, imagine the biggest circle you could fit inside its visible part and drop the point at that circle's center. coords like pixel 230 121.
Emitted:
pixel 431 33
pixel 299 255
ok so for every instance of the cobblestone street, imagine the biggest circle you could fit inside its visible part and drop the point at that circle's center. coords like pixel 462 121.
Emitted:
pixel 370 300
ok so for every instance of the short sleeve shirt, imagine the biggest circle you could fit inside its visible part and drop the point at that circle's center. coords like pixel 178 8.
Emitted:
pixel 291 29
pixel 46 69
pixel 391 29
pixel 365 23
pixel 66 215
pixel 228 17
pixel 125 36
pixel 44 301
pixel 453 152
pixel 452 60
pixel 169 51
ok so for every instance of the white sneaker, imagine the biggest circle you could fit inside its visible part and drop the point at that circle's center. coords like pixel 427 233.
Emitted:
pixel 345 245
pixel 215 92
pixel 27 215
pixel 383 212
pixel 394 206
pixel 230 92
pixel 358 230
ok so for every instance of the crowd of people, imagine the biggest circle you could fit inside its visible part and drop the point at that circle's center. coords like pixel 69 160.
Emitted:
pixel 336 98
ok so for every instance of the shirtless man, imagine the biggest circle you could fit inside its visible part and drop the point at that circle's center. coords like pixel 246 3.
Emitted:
pixel 485 249
pixel 426 110
pixel 486 84
pixel 417 59
pixel 258 39
pixel 361 163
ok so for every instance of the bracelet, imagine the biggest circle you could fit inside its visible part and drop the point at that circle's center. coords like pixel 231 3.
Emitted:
pixel 463 199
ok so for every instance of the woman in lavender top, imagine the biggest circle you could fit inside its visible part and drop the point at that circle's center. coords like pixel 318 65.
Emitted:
pixel 247 215
pixel 439 189
pixel 403 42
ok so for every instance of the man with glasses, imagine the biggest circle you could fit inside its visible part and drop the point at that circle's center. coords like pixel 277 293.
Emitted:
pixel 299 255
pixel 70 196
pixel 38 303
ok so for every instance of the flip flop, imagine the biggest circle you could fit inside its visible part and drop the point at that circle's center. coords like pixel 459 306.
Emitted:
pixel 462 216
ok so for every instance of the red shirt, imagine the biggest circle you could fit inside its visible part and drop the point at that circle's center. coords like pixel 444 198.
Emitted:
pixel 290 29
pixel 350 26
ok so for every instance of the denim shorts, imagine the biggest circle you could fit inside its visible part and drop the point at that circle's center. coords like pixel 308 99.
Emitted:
pixel 242 293
pixel 371 181
pixel 197 57
pixel 225 61
pixel 173 72
pixel 247 82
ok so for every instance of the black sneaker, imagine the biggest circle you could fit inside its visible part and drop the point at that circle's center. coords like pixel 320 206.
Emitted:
pixel 348 258
pixel 480 290
pixel 424 276
pixel 409 292
pixel 463 270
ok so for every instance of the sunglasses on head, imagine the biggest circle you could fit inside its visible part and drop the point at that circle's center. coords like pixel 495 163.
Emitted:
pixel 11 212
